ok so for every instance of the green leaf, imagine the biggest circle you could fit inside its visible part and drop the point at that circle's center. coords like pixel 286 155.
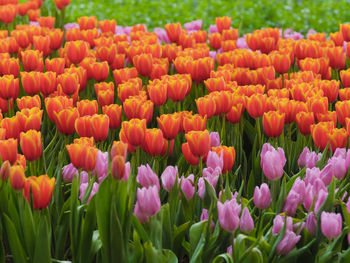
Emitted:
pixel 29 230
pixel 152 254
pixel 19 255
pixel 197 240
pixel 43 242
pixel 223 258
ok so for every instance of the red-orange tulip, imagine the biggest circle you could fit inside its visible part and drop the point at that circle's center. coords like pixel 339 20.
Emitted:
pixel 17 177
pixel 153 142
pixel 82 156
pixel 134 131
pixel 76 50
pixel 30 119
pixel 114 112
pixel 65 120
pixel 31 144
pixel 229 156
pixel 8 150
pixel 31 82
pixel 199 142
pixel 170 125
pixel 41 188
pixel 320 133
pixel 273 123
pixel 28 102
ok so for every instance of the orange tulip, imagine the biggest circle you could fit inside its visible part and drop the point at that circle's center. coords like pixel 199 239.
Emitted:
pixel 28 102
pixel 206 106
pixel 105 97
pixel 107 25
pixel 82 156
pixel 9 87
pixel 223 23
pixel 215 84
pixel 119 149
pixel 31 144
pixel 317 105
pixel 17 177
pixel 42 43
pixel 190 158
pixel 344 94
pixel 281 62
pixel 76 50
pixel 134 131
pixel 87 22
pixel 41 188
pixel 343 111
pixel 56 38
pixel 55 65
pixel 153 142
pixel 21 37
pixel 123 75
pixel 10 66
pixel 65 120
pixel 337 57
pixel 32 60
pixel 178 88
pixel 345 78
pixel 169 125
pixel 320 133
pixel 199 142
pixel 118 167
pixel 194 123
pixel 57 104
pixel 235 114
pixel 173 31
pixel 256 105
pixel 273 123
pixel 47 21
pixel 31 82
pixel 338 138
pixel 143 64
pixel 30 119
pixel 215 40
pixel 114 112
pixel 328 116
pixel 100 127
pixel 69 83
pixel 87 107
pixel 100 71
pixel 229 156
pixel 106 53
pixel 12 127
pixel 8 13
pixel 157 92
pixel 8 150
pixel 60 4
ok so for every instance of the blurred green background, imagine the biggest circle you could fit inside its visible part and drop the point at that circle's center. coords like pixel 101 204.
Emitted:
pixel 301 15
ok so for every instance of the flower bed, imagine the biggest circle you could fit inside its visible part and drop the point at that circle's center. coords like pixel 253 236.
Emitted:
pixel 180 145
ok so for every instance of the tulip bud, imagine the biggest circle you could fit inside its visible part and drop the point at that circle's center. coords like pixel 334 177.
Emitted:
pixel 146 177
pixel 118 167
pixel 5 171
pixel 228 214
pixel 311 223
pixel 272 162
pixel 169 177
pixel 262 196
pixel 331 224
pixel 17 177
pixel 246 224
pixel 187 186
pixel 288 242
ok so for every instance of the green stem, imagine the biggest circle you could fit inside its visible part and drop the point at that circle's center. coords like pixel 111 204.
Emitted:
pixel 222 135
pixel 258 131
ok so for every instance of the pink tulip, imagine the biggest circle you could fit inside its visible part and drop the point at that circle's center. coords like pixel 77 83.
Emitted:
pixel 162 35
pixel 168 177
pixel 148 202
pixel 287 243
pixel 68 173
pixel 246 223
pixel 311 223
pixel 331 224
pixel 212 175
pixel 101 167
pixel 213 29
pixel 187 186
pixel 320 199
pixel 193 25
pixel 278 224
pixel 262 196
pixel 214 139
pixel 146 177
pixel 272 162
pixel 308 159
pixel 201 186
pixel 214 161
pixel 82 190
pixel 299 188
pixel 311 175
pixel 228 216
pixel 291 204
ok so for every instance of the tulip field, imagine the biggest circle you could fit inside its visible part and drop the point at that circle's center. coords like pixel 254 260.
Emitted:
pixel 189 142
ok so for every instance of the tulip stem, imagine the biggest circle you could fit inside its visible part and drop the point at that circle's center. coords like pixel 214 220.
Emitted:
pixel 200 166
pixel 274 184
pixel 223 129
pixel 258 131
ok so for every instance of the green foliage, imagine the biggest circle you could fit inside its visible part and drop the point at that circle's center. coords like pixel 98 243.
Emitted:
pixel 302 15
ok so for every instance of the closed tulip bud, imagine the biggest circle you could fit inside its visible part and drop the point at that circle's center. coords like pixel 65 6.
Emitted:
pixel 31 144
pixel 169 125
pixel 119 148
pixel 118 167
pixel 287 243
pixel 273 123
pixel 173 31
pixel 194 123
pixel 5 171
pixel 82 156
pixel 114 113
pixel 228 214
pixel 31 82
pixel 9 87
pixel 100 71
pixel 291 203
pixel 146 177
pixel 304 121
pixel 256 105
pixel 76 50
pixel 206 106
pixel 272 162
pixel 246 223
pixel 215 40
pixel 320 134
pixel 42 44
pixel 143 64
pixel 278 224
pixel 331 224
pixel 17 177
pixel 199 142
pixel 8 150
pixel 187 186
pixel 262 196
pixel 214 139
pixel 281 62
pixel 56 38
pixel 60 4
pixel 178 88
pixel 169 177
pixel 311 223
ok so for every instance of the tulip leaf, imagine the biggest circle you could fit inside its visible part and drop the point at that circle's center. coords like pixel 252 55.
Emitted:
pixel 2 249
pixel 117 250
pixel 43 241
pixel 19 255
pixel 197 240
pixel 253 256
pixel 29 230
pixel 209 195
pixel 169 256
pixel 152 254
pixel 296 253
pixel 166 228
pixel 178 236
pixel 227 258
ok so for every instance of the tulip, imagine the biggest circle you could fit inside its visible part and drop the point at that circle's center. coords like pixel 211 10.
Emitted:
pixel 320 134
pixel 69 172
pixel 273 123
pixel 147 204
pixel 55 65
pixel 134 131
pixel 146 177
pixel 82 156
pixel 100 71
pixel 100 127
pixel 8 150
pixel 41 188
pixel 17 177
pixel 56 38
pixel 279 222
pixel 289 240
pixel 143 64
pixel 331 224
pixel 76 50
pixel 223 23
pixel 65 120
pixel 169 177
pixel 229 156
pixel 31 144
pixel 9 87
pixel 194 123
pixel 262 196
pixel 114 113
pixel 308 159
pixel 199 142
pixel 291 203
pixel 214 139
pixel 187 186
pixel 256 105
pixel 173 31
pixel 32 60
pixel 311 223
pixel 5 171
pixel 153 142
pixel 228 214
pixel 169 125
pixel 118 167
pixel 246 223
pixel 190 158
pixel 157 92
pixel 272 162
